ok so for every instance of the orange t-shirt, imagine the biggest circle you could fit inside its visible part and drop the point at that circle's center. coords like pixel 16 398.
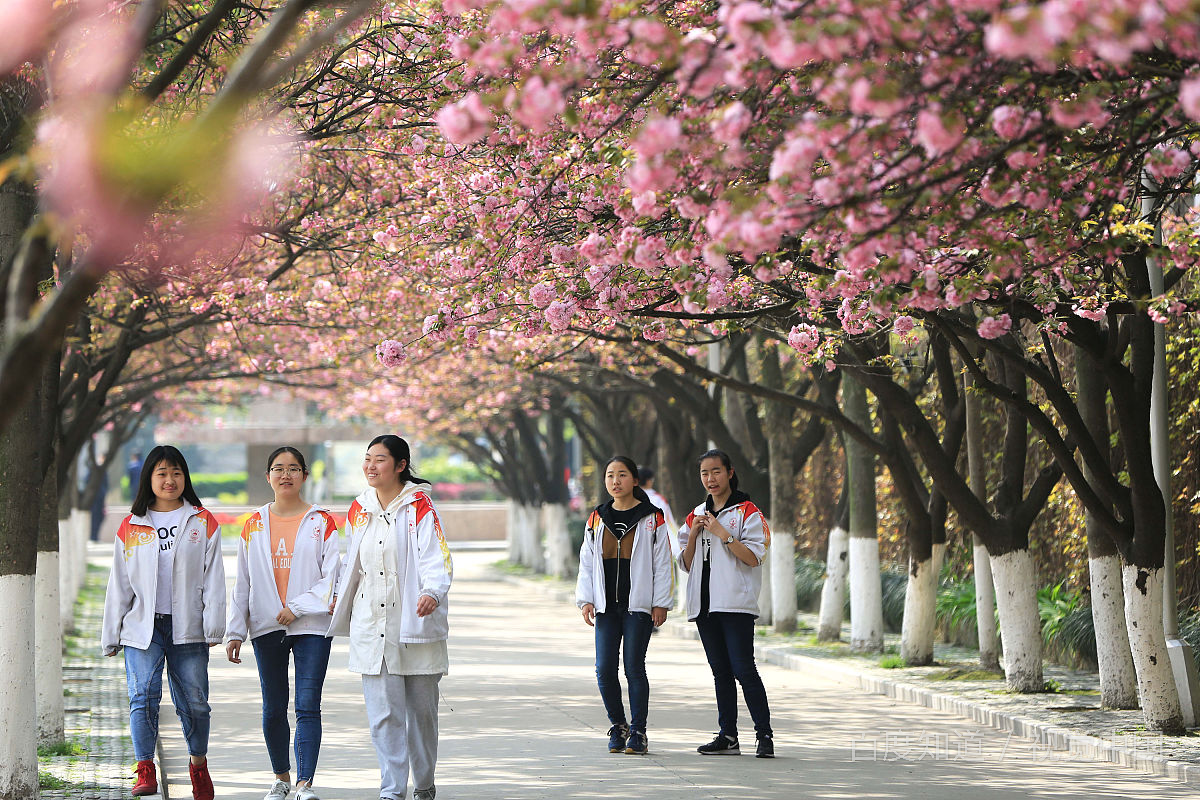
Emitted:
pixel 283 544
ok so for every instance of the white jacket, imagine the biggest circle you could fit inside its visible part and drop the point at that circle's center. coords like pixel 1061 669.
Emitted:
pixel 732 586
pixel 255 602
pixel 197 584
pixel 425 567
pixel 651 573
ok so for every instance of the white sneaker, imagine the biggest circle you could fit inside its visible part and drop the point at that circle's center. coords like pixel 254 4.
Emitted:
pixel 306 793
pixel 279 791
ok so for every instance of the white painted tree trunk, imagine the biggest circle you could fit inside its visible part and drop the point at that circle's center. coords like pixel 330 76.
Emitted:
pixel 66 572
pixel 920 609
pixel 83 536
pixel 985 608
pixel 866 596
pixel 765 590
pixel 782 559
pixel 833 593
pixel 18 703
pixel 1020 625
pixel 1144 616
pixel 560 561
pixel 47 648
pixel 1118 679
pixel 512 532
pixel 531 531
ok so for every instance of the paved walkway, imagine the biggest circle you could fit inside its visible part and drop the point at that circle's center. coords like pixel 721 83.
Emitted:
pixel 521 718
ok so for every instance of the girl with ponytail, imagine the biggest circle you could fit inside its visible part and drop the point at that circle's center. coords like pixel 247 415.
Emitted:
pixel 626 586
pixel 730 535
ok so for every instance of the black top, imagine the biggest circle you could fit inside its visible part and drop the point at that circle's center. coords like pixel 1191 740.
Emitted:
pixel 616 548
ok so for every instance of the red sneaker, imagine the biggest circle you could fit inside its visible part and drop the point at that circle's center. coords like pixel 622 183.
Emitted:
pixel 202 788
pixel 147 779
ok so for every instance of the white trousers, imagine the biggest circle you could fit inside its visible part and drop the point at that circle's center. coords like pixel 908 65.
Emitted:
pixel 403 712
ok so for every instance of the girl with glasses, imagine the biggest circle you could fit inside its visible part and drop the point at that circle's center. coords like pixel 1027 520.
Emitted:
pixel 288 565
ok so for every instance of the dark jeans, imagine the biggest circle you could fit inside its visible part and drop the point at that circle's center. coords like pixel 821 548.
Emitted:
pixel 728 640
pixel 634 628
pixel 312 658
pixel 187 675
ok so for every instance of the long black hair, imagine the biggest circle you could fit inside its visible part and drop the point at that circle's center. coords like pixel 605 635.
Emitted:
pixel 287 449
pixel 145 494
pixel 400 452
pixel 725 460
pixel 631 465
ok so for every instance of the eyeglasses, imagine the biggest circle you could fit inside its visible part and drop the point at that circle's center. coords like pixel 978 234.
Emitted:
pixel 277 471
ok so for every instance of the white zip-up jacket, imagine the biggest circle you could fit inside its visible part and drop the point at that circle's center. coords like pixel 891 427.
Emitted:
pixel 732 585
pixel 422 565
pixel 255 602
pixel 197 584
pixel 651 573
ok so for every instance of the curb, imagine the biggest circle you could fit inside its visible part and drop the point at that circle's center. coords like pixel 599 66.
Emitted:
pixel 1043 733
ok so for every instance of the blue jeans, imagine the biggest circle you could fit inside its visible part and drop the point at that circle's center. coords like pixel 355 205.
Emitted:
pixel 728 640
pixel 187 676
pixel 634 628
pixel 311 653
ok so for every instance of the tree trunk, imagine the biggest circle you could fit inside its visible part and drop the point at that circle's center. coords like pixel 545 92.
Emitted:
pixel 533 554
pixel 866 591
pixel 19 489
pixel 1148 643
pixel 1020 625
pixel 560 561
pixel 48 627
pixel 514 532
pixel 1118 678
pixel 985 607
pixel 833 592
pixel 985 590
pixel 920 609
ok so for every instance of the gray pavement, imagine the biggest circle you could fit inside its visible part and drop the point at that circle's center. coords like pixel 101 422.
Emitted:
pixel 521 718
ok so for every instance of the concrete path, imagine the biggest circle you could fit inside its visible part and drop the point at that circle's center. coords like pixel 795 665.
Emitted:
pixel 521 718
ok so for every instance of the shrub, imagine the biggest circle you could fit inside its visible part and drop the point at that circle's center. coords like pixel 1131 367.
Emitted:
pixel 213 484
pixel 810 580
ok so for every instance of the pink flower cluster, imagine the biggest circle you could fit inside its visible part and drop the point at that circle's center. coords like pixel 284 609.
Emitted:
pixel 465 121
pixel 390 353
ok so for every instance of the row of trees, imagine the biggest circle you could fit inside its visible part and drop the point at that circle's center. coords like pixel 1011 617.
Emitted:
pixel 665 224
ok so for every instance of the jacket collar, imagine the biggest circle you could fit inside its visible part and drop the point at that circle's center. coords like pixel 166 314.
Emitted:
pixel 737 497
pixel 369 501
pixel 642 510
pixel 145 519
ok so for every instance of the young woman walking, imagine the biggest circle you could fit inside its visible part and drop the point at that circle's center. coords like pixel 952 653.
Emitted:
pixel 626 586
pixel 729 535
pixel 166 605
pixel 393 606
pixel 287 568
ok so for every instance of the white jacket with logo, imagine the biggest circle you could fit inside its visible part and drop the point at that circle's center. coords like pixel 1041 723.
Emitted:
pixel 422 566
pixel 197 584
pixel 255 602
pixel 651 573
pixel 732 585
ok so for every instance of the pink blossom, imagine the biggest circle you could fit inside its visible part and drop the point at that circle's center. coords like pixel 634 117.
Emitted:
pixel 1189 96
pixel 562 254
pixel 659 135
pixel 654 332
pixel 26 23
pixel 903 324
pixel 540 103
pixel 994 327
pixel 1008 121
pixel 466 121
pixel 390 353
pixel 543 294
pixel 471 335
pixel 643 204
pixel 933 135
pixel 559 315
pixel 804 338
pixel 649 31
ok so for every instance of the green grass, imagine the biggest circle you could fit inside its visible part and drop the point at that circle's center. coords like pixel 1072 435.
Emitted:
pixel 891 662
pixel 48 781
pixel 65 748
pixel 960 674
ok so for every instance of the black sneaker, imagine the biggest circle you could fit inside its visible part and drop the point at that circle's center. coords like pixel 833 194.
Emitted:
pixel 721 746
pixel 636 744
pixel 765 747
pixel 617 735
